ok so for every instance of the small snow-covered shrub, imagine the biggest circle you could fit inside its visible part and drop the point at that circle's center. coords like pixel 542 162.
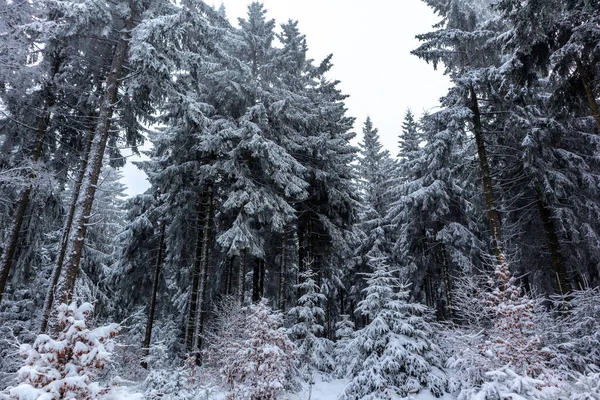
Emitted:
pixel 576 331
pixel 263 360
pixel 65 367
pixel 252 352
pixel 504 383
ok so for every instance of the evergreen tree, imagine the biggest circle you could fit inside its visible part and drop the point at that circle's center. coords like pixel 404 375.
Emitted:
pixel 307 330
pixel 394 352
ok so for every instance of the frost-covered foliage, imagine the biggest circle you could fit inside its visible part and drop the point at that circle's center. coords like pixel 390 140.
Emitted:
pixel 66 367
pixel 394 353
pixel 504 383
pixel 344 330
pixel 307 320
pixel 574 332
pixel 512 339
pixel 502 349
pixel 256 358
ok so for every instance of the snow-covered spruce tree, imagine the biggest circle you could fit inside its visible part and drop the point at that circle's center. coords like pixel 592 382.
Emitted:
pixel 344 330
pixel 435 234
pixel 307 318
pixel 575 334
pixel 394 352
pixel 469 27
pixel 559 43
pixel 374 170
pixel 65 366
pixel 262 361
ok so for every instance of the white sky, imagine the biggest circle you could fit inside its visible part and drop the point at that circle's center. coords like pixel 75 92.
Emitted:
pixel 371 43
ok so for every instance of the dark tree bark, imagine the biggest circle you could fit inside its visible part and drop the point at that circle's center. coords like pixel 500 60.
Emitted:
pixel 283 277
pixel 257 279
pixel 553 244
pixel 486 177
pixel 242 278
pixel 152 308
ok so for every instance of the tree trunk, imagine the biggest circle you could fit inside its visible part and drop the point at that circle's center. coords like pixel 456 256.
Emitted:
pixel 242 278
pixel 256 273
pixel 152 308
pixel 589 94
pixel 196 277
pixel 261 279
pixel 283 278
pixel 66 282
pixel 553 244
pixel 207 236
pixel 49 300
pixel 42 129
pixel 486 177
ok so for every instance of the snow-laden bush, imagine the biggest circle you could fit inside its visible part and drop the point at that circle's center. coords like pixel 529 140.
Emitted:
pixel 575 331
pixel 506 384
pixel 65 367
pixel 513 338
pixel 501 354
pixel 252 352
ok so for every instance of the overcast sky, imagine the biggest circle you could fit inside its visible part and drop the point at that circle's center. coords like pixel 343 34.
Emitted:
pixel 371 43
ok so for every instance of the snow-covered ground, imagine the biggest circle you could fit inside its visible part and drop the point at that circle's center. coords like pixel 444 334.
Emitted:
pixel 332 389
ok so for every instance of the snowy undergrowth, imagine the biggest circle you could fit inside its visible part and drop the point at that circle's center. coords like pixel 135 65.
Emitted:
pixel 67 365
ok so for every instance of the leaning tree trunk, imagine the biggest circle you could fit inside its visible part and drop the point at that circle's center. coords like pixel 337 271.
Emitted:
pixel 49 300
pixel 486 177
pixel 66 282
pixel 557 261
pixel 42 129
pixel 152 308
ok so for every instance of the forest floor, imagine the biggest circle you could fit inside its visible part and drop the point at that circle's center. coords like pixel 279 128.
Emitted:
pixel 331 389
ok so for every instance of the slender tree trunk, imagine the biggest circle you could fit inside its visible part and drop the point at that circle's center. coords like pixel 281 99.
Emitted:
pixel 196 277
pixel 283 277
pixel 256 295
pixel 447 283
pixel 589 94
pixel 486 177
pixel 152 308
pixel 23 202
pixel 49 300
pixel 428 290
pixel 13 239
pixel 242 278
pixel 261 278
pixel 553 244
pixel 302 246
pixel 202 307
pixel 66 283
